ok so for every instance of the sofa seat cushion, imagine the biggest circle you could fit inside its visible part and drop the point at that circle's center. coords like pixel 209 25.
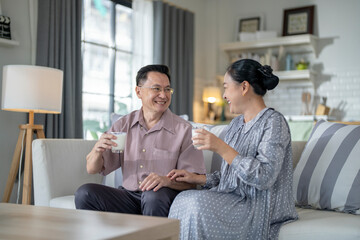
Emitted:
pixel 63 202
pixel 321 224
pixel 312 224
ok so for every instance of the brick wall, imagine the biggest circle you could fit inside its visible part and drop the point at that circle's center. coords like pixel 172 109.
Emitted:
pixel 342 89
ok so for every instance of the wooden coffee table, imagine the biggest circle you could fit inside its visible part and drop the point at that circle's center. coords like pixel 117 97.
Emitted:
pixel 35 222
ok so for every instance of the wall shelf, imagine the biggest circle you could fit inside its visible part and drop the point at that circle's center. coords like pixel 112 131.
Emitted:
pixel 8 43
pixel 280 46
pixel 293 75
pixel 295 44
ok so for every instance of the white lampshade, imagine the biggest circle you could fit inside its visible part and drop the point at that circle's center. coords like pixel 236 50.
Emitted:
pixel 28 88
pixel 212 95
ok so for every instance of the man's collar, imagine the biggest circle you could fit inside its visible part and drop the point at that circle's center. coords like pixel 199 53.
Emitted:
pixel 136 118
pixel 166 121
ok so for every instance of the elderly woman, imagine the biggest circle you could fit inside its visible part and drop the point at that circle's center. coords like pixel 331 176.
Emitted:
pixel 251 196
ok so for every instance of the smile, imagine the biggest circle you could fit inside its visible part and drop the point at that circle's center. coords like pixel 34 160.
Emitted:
pixel 161 102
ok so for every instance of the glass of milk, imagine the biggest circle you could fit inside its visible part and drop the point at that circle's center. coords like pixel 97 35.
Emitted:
pixel 193 133
pixel 120 141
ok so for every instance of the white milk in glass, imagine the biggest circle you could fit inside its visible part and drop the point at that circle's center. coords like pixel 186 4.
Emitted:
pixel 120 141
pixel 196 127
pixel 195 133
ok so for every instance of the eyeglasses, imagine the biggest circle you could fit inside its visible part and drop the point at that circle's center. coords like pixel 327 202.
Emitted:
pixel 155 89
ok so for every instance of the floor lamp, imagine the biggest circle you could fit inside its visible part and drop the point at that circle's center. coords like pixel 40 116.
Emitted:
pixel 31 89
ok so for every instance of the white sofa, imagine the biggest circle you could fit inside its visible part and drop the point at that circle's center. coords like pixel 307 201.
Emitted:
pixel 59 169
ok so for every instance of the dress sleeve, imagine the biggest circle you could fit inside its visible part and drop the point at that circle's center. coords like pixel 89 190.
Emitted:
pixel 262 170
pixel 212 180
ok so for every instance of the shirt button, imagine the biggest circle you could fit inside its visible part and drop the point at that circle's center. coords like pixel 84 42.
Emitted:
pixel 141 128
pixel 144 150
pixel 139 182
pixel 141 166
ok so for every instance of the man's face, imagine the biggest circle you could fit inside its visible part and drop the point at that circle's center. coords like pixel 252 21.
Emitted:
pixel 153 100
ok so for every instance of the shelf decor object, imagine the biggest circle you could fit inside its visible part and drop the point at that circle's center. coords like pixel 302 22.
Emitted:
pixel 5 27
pixel 247 25
pixel 6 41
pixel 31 89
pixel 298 21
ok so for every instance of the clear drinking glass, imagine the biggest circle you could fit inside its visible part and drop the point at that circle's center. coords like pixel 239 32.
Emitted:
pixel 120 141
pixel 193 133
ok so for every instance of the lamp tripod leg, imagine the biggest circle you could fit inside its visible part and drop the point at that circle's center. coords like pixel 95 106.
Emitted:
pixel 14 169
pixel 27 185
pixel 40 133
pixel 29 130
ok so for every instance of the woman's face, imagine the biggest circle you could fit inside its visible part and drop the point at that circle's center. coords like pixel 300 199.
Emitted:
pixel 233 94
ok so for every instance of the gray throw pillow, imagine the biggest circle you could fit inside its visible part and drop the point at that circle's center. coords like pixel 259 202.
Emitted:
pixel 328 173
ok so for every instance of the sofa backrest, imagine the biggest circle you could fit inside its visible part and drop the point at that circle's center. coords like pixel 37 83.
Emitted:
pixel 212 160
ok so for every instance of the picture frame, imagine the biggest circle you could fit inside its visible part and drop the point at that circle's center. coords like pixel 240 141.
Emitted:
pixel 298 21
pixel 249 23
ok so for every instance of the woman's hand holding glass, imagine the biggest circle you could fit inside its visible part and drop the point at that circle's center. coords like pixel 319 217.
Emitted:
pixel 205 140
pixel 209 141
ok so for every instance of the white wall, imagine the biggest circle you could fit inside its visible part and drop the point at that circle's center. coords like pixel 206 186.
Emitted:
pixel 18 11
pixel 202 10
pixel 335 24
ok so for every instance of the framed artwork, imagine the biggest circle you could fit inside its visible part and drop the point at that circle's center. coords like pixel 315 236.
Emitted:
pixel 5 27
pixel 298 20
pixel 249 23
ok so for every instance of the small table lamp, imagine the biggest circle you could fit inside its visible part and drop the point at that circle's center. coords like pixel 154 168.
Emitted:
pixel 210 96
pixel 31 89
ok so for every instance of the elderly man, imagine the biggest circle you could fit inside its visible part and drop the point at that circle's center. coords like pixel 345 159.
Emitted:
pixel 158 141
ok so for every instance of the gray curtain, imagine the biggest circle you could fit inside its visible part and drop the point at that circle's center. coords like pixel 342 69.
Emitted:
pixel 59 46
pixel 174 46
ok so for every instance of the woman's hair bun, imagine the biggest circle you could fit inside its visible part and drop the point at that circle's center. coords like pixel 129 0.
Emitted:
pixel 270 81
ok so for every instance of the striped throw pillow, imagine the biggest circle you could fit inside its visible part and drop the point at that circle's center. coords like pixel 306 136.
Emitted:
pixel 328 173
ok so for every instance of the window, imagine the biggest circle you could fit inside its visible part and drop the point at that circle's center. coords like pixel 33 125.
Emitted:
pixel 107 57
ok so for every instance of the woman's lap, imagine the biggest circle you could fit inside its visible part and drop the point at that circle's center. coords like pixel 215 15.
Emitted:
pixel 209 214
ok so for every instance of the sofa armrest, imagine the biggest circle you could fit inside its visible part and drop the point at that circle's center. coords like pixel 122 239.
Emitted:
pixel 59 168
